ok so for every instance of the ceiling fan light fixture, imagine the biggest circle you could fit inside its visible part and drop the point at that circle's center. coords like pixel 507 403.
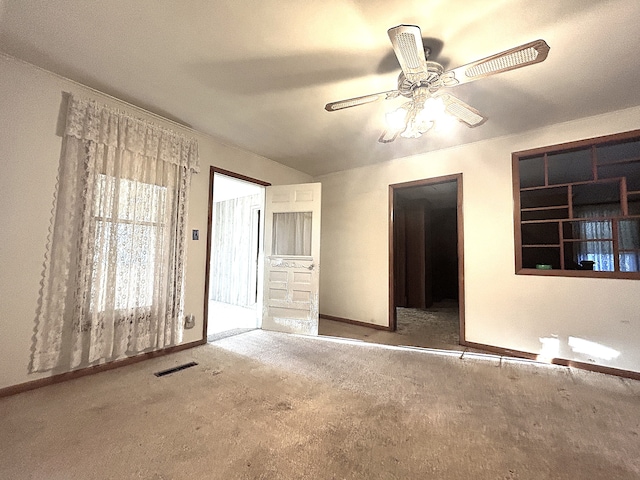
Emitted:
pixel 445 124
pixel 418 123
pixel 432 110
pixel 396 120
pixel 416 129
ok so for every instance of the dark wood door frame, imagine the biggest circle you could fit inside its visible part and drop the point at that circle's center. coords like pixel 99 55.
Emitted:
pixel 419 183
pixel 212 172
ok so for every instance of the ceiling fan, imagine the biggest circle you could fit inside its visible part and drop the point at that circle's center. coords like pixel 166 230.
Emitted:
pixel 421 80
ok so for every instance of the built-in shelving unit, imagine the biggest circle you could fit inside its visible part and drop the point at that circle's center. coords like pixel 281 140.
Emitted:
pixel 577 208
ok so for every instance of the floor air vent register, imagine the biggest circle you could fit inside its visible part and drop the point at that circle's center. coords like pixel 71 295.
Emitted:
pixel 175 369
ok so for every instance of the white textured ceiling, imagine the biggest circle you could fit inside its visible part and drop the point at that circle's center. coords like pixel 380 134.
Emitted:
pixel 257 74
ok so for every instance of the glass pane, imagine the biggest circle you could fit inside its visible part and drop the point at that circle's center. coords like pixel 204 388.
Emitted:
pixel 123 271
pixel 128 230
pixel 135 201
pixel 629 261
pixel 618 152
pixel 567 167
pixel 531 172
pixel 629 170
pixel 588 230
pixel 629 234
pixel 292 233
pixel 140 202
pixel 597 194
pixel 592 255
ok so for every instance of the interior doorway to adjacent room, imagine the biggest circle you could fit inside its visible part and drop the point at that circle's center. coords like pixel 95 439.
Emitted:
pixel 234 252
pixel 426 261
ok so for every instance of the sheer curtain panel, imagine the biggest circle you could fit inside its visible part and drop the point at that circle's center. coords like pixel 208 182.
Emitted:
pixel 114 270
pixel 292 233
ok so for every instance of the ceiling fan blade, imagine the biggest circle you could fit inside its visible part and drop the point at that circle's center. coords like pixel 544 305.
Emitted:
pixel 463 112
pixel 517 57
pixel 389 136
pixel 354 102
pixel 407 45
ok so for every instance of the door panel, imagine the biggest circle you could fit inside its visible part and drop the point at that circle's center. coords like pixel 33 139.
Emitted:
pixel 291 277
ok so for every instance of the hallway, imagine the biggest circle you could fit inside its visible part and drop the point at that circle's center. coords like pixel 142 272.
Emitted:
pixel 436 327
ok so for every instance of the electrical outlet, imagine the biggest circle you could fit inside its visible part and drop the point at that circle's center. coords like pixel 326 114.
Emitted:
pixel 189 321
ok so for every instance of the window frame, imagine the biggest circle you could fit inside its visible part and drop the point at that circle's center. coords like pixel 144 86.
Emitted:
pixel 114 218
pixel 591 144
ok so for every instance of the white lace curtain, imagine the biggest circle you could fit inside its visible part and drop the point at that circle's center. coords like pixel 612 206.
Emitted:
pixel 600 249
pixel 114 272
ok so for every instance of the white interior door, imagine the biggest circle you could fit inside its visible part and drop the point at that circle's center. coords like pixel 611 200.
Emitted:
pixel 292 258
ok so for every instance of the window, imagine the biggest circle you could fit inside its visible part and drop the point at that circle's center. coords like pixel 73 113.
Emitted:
pixel 114 276
pixel 577 208
pixel 292 233
pixel 128 217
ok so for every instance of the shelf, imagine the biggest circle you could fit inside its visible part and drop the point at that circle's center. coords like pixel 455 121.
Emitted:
pixel 539 209
pixel 544 187
pixel 556 272
pixel 619 162
pixel 544 220
pixel 578 240
pixel 595 219
pixel 573 220
pixel 556 184
pixel 582 182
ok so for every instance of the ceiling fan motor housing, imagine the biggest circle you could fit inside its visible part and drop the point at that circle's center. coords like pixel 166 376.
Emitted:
pixel 431 75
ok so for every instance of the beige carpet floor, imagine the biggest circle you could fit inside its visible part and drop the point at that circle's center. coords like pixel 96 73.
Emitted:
pixel 435 327
pixel 263 405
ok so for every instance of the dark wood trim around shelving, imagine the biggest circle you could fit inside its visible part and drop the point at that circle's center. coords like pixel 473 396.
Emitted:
pixel 532 219
pixel 515 185
pixel 540 209
pixel 567 185
pixel 542 245
pixel 83 372
pixel 579 273
pixel 577 144
pixel 620 162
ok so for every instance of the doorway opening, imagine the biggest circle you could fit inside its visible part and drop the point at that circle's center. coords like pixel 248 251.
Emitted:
pixel 426 281
pixel 233 282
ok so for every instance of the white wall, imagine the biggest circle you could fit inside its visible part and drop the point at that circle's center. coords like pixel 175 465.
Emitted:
pixel 502 309
pixel 30 101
